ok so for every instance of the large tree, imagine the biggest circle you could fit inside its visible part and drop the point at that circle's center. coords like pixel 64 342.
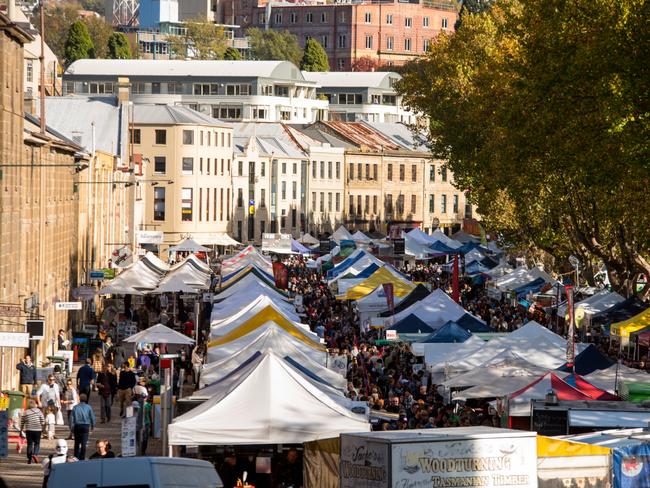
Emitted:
pixel 274 45
pixel 58 19
pixel 100 32
pixel 232 54
pixel 541 109
pixel 202 40
pixel 118 46
pixel 314 58
pixel 78 45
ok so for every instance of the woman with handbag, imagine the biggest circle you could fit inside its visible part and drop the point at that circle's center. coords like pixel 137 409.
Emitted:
pixel 70 399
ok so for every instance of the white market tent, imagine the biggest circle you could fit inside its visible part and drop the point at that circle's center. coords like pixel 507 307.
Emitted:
pixel 160 334
pixel 308 239
pixel 439 236
pixel 143 275
pixel 188 245
pixel 268 333
pixel 219 240
pixel 231 306
pixel 435 309
pixel 439 353
pixel 374 303
pixel 283 345
pixel 271 404
pixel 250 283
pixel 188 276
pixel 341 234
pixel 522 276
pixel 599 302
pixel 248 255
pixel 359 236
pixel 612 378
pixel 499 270
pixel 261 305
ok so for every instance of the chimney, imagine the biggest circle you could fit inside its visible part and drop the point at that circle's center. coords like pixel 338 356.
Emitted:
pixel 11 9
pixel 123 89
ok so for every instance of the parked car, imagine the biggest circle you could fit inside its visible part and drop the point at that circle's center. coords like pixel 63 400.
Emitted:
pixel 135 472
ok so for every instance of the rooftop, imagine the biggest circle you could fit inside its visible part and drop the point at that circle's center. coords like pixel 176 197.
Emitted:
pixel 181 68
pixel 352 79
pixel 271 139
pixel 172 115
pixel 362 135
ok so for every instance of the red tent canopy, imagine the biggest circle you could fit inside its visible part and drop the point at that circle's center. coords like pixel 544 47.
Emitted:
pixel 594 392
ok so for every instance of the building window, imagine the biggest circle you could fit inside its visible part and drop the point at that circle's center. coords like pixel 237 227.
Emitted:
pixel 425 21
pixel 240 89
pixel 338 202
pixel 390 43
pixel 294 218
pixel 407 44
pixel 293 17
pixel 338 170
pixel 240 168
pixel 443 173
pixel 359 207
pixel 260 113
pixel 206 89
pixel 367 171
pixel 432 204
pixel 186 204
pixel 322 202
pixel 351 173
pixel 188 166
pixel 455 204
pixel 295 168
pixel 227 112
pixel 389 172
pixel 374 204
pixel 342 40
pixel 324 41
pixel 340 64
pixel 368 17
pixel 313 201
pixel 359 171
pixel 323 17
pixel 278 17
pixel 159 203
pixel 284 190
pixel 161 137
pixel 425 45
pixel 262 228
pixel 389 203
pixel 136 136
pixel 329 201
pixel 188 137
pixel 414 172
pixel 443 203
pixel 263 168
pixel 240 197
pixel 294 190
pixel 414 201
pixel 400 204
pixel 29 71
pixel 389 18
pixel 239 231
pixel 159 164
pixel 402 172
pixel 174 88
pixel 284 168
pixel 309 17
pixel 314 165
pixel 432 172
pixel 367 207
pixel 368 41
pixel 350 99
pixel 263 197
pixel 351 205
pixel 445 23
pixel 408 22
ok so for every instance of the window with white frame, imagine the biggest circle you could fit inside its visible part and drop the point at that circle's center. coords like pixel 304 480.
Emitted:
pixel 407 44
pixel 390 43
pixel 368 41
pixel 425 21
pixel 408 22
pixel 368 17
pixel 444 23
pixel 342 40
pixel 389 18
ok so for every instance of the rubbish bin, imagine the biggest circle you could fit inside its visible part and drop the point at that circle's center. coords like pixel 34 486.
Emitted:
pixel 16 399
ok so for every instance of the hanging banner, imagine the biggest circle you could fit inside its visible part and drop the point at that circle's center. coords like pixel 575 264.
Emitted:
pixel 570 343
pixel 455 294
pixel 281 275
pixel 390 296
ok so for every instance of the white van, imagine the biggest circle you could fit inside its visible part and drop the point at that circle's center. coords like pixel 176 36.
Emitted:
pixel 135 472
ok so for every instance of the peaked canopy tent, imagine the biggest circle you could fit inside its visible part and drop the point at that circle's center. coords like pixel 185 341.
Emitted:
pixel 359 236
pixel 300 248
pixel 341 234
pixel 272 404
pixel 641 337
pixel 623 329
pixel 373 303
pixel 354 263
pixel 247 256
pixel 614 378
pixel 519 401
pixel 521 277
pixel 451 332
pixel 473 324
pixel 439 236
pixel 160 334
pixel 411 324
pixel 500 270
pixel 231 306
pixel 248 282
pixel 620 312
pixel 308 239
pixel 588 361
pixel 188 276
pixel 438 354
pixel 401 286
pixel 418 293
pixel 143 275
pixel 594 392
pixel 596 303
pixel 221 240
pixel 188 245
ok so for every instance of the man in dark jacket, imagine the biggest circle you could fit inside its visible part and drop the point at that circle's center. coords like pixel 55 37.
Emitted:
pixel 27 375
pixel 85 378
pixel 107 386
pixel 125 387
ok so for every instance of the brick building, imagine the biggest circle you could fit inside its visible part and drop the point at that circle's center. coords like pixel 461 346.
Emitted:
pixel 389 31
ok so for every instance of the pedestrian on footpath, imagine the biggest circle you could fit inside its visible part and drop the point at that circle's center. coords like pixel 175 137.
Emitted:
pixel 107 388
pixel 49 395
pixel 83 422
pixel 60 456
pixel 32 424
pixel 102 450
pixel 85 378
pixel 125 387
pixel 27 375
pixel 70 399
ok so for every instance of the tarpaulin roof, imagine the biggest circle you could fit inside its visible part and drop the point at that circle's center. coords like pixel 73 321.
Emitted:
pixel 299 248
pixel 439 236
pixel 159 334
pixel 641 337
pixel 441 248
pixel 531 287
pixel 229 280
pixel 361 237
pixel 612 378
pixel 271 403
pixel 410 325
pixel 341 234
pixel 418 293
pixel 375 300
pixel 588 361
pixel 469 322
pixel 308 239
pixel 401 287
pixel 596 303
pixel 584 386
pixel 521 276
pixel 637 322
pixel 188 245
pixel 346 263
pixel 619 312
pixel 441 352
pixel 248 255
pixel 519 401
pixel 449 333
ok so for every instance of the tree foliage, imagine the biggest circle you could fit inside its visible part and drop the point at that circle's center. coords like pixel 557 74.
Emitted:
pixel 314 58
pixel 274 45
pixel 58 19
pixel 541 109
pixel 118 46
pixel 100 32
pixel 470 7
pixel 78 45
pixel 202 40
pixel 232 54
pixel 366 63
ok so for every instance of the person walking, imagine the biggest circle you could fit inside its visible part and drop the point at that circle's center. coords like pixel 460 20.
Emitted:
pixel 70 399
pixel 49 394
pixel 83 422
pixel 27 375
pixel 107 388
pixel 125 387
pixel 85 378
pixel 32 424
pixel 60 456
pixel 147 424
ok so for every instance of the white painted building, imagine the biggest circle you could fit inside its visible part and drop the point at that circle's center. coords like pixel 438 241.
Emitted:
pixel 236 91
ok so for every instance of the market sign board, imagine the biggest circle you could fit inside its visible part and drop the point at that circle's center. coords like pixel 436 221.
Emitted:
pixel 150 237
pixel 280 243
pixel 68 305
pixel 14 339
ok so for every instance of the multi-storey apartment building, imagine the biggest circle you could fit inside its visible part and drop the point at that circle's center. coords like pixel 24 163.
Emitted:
pixel 238 91
pixel 388 31
pixel 361 96
pixel 183 185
